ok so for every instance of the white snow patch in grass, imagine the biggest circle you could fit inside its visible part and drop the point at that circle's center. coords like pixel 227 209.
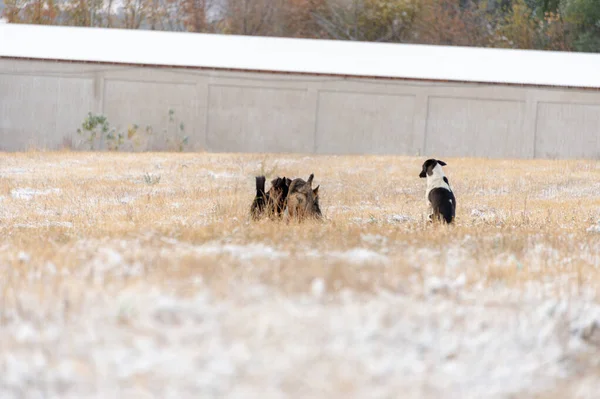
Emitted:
pixel 258 250
pixel 399 219
pixel 392 219
pixel 435 285
pixel 255 339
pixel 594 228
pixel 287 162
pixel 127 199
pixel 29 193
pixel 221 175
pixel 15 171
pixel 23 257
pixel 358 220
pixel 485 214
pixel 374 239
pixel 110 262
pixel 358 256
pixel 44 224
pixel 317 287
pixel 243 252
pixel 564 190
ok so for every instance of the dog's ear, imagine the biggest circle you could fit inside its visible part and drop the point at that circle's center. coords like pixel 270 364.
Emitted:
pixel 310 179
pixel 441 162
pixel 423 173
pixel 316 191
pixel 287 181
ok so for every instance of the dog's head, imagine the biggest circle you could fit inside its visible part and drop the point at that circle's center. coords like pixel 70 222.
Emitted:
pixel 303 200
pixel 280 186
pixel 429 166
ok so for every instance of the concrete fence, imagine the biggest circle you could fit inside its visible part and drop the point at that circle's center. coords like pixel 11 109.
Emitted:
pixel 42 103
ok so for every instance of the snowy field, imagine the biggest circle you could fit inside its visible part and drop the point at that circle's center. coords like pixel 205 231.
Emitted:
pixel 141 276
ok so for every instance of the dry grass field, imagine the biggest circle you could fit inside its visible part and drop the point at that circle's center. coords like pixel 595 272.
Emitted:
pixel 141 275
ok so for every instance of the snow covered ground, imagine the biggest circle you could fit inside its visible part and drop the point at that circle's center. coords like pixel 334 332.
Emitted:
pixel 259 342
pixel 140 298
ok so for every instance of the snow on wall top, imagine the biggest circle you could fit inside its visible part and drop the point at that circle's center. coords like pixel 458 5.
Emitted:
pixel 301 55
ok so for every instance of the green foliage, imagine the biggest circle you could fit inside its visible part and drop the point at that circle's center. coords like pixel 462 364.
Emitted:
pixel 385 20
pixel 93 128
pixel 96 130
pixel 541 7
pixel 528 24
pixel 584 17
pixel 582 13
pixel 114 140
pixel 588 41
pixel 151 179
pixel 177 140
pixel 520 27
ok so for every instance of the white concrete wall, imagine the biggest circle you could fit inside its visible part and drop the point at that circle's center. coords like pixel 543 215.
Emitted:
pixel 42 103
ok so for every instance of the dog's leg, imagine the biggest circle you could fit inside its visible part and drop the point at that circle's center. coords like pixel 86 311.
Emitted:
pixel 429 212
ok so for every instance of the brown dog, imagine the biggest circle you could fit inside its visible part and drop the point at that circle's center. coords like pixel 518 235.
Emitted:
pixel 302 200
pixel 271 202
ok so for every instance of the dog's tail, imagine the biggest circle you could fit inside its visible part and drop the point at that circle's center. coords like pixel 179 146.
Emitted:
pixel 260 185
pixel 258 205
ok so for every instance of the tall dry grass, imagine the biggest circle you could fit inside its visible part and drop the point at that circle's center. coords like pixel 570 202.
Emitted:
pixel 77 228
pixel 517 221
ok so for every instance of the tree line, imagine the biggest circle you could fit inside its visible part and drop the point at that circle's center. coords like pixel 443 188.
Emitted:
pixel 564 25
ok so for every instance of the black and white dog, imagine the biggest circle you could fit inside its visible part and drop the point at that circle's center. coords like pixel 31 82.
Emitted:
pixel 439 196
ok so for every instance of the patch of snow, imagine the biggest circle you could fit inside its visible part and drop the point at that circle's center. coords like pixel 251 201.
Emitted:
pixel 393 219
pixel 487 215
pixel 242 252
pixel 109 262
pixel 594 228
pixel 317 287
pixel 260 342
pixel 435 285
pixel 399 219
pixel 259 250
pixel 564 190
pixel 14 171
pixel 127 199
pixel 407 191
pixel 358 220
pixel 51 268
pixel 221 175
pixel 541 256
pixel 44 224
pixel 493 191
pixel 286 161
pixel 358 255
pixel 374 239
pixel 23 257
pixel 29 193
